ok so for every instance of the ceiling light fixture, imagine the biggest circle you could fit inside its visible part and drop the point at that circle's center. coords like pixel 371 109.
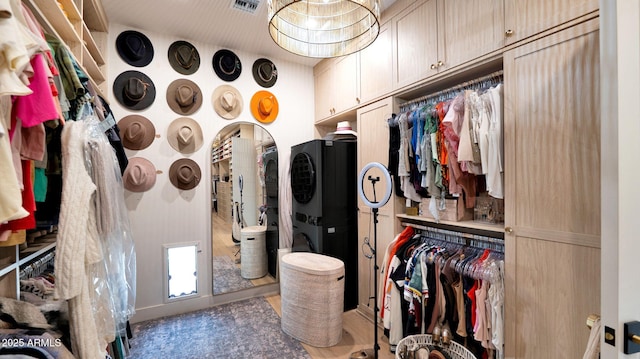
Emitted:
pixel 324 28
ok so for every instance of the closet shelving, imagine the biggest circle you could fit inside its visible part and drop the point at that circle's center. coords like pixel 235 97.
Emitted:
pixel 83 27
pixel 12 258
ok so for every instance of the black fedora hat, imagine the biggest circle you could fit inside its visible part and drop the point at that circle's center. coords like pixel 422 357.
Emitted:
pixel 134 48
pixel 134 90
pixel 227 65
pixel 265 72
pixel 184 57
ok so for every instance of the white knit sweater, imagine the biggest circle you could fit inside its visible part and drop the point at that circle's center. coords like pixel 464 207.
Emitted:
pixel 78 248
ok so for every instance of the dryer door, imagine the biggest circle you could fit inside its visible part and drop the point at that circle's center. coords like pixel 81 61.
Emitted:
pixel 303 178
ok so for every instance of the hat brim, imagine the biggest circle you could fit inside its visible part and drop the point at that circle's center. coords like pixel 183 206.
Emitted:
pixel 121 43
pixel 150 170
pixel 173 170
pixel 221 74
pixel 221 111
pixel 256 76
pixel 172 132
pixel 146 141
pixel 118 90
pixel 173 61
pixel 255 102
pixel 173 103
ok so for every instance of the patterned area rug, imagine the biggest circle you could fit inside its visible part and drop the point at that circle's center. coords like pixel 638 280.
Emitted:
pixel 247 329
pixel 226 276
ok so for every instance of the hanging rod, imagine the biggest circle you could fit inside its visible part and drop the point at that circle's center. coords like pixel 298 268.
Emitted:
pixel 495 75
pixel 470 236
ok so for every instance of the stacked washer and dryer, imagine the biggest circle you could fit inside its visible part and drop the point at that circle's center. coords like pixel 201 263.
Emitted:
pixel 324 205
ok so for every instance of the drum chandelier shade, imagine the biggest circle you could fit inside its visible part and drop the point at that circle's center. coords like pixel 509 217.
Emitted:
pixel 324 28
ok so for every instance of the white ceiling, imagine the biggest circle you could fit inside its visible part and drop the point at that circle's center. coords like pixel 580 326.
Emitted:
pixel 207 21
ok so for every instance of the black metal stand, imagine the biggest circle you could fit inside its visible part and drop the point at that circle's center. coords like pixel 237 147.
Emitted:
pixel 366 353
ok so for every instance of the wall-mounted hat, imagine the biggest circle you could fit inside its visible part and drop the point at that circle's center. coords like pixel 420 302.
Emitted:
pixel 227 101
pixel 264 106
pixel 134 90
pixel 184 57
pixel 265 72
pixel 140 175
pixel 184 135
pixel 137 132
pixel 134 48
pixel 227 65
pixel 184 174
pixel 184 97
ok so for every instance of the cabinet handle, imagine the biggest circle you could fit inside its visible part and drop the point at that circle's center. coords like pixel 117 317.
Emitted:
pixel 358 99
pixel 440 63
pixel 509 33
pixel 508 230
pixel 433 66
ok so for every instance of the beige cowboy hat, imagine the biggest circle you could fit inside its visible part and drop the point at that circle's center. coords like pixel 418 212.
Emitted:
pixel 227 101
pixel 184 97
pixel 184 135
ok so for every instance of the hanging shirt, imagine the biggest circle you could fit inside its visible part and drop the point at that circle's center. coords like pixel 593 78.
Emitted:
pixel 495 170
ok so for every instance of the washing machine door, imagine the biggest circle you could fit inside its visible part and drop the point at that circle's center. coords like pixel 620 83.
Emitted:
pixel 271 178
pixel 303 178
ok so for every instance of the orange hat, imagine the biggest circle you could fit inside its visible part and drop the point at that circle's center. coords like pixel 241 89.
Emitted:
pixel 264 106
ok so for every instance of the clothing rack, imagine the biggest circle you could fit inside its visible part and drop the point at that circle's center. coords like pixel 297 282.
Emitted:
pixel 468 239
pixel 484 82
pixel 38 266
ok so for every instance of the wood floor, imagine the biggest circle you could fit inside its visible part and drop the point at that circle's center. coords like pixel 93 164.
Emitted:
pixel 357 330
pixel 357 334
pixel 223 245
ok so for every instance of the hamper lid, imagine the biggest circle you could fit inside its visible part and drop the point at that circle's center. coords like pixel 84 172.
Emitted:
pixel 254 229
pixel 313 263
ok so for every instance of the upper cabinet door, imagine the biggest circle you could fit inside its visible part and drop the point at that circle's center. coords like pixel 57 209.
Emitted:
pixel 469 30
pixel 346 89
pixel 416 43
pixel 324 82
pixel 375 66
pixel 524 18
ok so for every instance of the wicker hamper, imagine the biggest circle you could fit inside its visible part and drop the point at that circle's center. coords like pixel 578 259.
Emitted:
pixel 312 294
pixel 414 342
pixel 253 252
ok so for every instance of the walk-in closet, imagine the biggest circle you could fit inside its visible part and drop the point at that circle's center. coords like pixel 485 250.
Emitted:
pixel 319 179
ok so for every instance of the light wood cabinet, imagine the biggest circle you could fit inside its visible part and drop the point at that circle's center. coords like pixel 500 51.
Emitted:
pixel 527 18
pixel 431 36
pixel 552 198
pixel 415 43
pixel 376 78
pixel 468 30
pixel 83 27
pixel 336 86
pixel 373 146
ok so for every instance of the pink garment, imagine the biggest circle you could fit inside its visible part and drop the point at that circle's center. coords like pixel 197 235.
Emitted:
pixel 38 107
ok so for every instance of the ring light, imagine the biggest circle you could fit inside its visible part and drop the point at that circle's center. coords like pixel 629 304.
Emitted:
pixel 387 177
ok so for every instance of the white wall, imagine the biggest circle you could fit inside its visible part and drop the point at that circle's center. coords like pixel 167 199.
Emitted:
pixel 166 215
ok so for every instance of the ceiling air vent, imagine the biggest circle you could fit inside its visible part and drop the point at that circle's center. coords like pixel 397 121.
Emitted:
pixel 249 6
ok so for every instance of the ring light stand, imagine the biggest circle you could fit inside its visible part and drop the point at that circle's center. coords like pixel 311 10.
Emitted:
pixel 374 205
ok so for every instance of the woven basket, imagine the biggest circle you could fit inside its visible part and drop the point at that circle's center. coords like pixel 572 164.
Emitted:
pixel 413 342
pixel 312 295
pixel 253 252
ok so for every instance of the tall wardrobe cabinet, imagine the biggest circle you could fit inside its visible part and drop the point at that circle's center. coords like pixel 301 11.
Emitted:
pixel 552 198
